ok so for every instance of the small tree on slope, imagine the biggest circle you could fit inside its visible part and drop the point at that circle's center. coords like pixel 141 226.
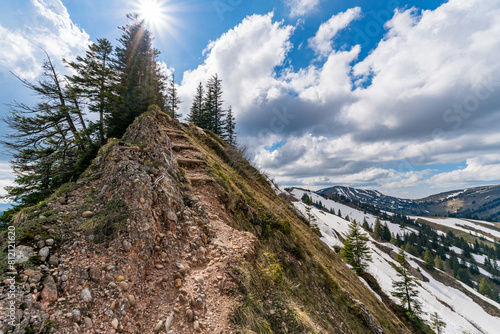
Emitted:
pixel 356 251
pixel 437 323
pixel 406 289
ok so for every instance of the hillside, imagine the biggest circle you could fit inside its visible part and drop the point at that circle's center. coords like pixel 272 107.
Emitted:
pixel 460 305
pixel 171 230
pixel 479 202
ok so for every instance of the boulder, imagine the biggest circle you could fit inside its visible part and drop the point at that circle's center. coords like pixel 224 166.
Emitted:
pixel 23 254
pixel 49 292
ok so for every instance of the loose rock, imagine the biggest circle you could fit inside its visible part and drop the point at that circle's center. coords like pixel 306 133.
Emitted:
pixel 168 322
pixel 44 253
pixel 127 246
pixel 86 295
pixel 23 254
pixel 158 326
pixel 87 214
pixel 87 322
pixel 77 315
pixel 54 260
pixel 49 292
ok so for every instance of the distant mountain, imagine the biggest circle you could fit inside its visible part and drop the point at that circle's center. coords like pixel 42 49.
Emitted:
pixel 478 202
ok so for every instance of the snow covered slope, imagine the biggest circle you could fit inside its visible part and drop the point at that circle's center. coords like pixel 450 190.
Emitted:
pixel 458 310
pixel 487 230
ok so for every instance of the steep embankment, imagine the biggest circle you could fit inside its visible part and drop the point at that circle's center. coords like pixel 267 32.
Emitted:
pixel 461 307
pixel 170 229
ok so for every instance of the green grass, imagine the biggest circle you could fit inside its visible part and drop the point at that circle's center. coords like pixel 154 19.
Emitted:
pixel 295 278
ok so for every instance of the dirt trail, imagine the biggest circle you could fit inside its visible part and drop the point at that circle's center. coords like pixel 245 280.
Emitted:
pixel 170 271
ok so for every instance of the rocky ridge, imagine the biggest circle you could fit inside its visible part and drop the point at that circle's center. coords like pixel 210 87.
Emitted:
pixel 162 271
pixel 172 231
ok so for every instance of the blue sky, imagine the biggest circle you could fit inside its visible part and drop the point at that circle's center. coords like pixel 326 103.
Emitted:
pixel 399 96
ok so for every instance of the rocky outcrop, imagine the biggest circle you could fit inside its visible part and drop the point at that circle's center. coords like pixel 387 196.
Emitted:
pixel 159 235
pixel 137 247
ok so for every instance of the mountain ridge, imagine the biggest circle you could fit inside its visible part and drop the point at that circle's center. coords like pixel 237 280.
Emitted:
pixel 477 202
pixel 171 229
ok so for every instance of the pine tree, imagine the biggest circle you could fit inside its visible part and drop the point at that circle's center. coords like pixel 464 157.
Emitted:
pixel 49 141
pixel 366 226
pixel 484 288
pixel 437 323
pixel 172 100
pixel 229 127
pixel 438 262
pixel 356 251
pixel 406 289
pixel 386 233
pixel 411 249
pixel 429 259
pixel 308 202
pixel 378 231
pixel 141 83
pixel 195 113
pixel 94 80
pixel 213 114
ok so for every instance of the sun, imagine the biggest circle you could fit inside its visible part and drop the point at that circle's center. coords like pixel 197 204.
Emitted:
pixel 160 17
pixel 153 12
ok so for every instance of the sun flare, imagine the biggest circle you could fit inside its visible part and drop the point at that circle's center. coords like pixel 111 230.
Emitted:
pixel 152 11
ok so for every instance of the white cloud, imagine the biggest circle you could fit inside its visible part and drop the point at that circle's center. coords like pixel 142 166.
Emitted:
pixel 6 177
pixel 301 7
pixel 480 169
pixel 48 26
pixel 245 59
pixel 322 42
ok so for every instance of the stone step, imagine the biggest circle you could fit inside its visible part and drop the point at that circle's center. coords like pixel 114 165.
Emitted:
pixel 176 134
pixel 199 179
pixel 181 147
pixel 187 162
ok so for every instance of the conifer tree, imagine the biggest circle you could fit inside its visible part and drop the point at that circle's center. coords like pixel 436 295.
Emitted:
pixel 437 323
pixel 195 113
pixel 366 226
pixel 406 289
pixel 141 83
pixel 378 231
pixel 213 114
pixel 229 127
pixel 172 100
pixel 429 259
pixel 308 202
pixel 94 80
pixel 356 251
pixel 484 288
pixel 386 233
pixel 49 144
pixel 438 262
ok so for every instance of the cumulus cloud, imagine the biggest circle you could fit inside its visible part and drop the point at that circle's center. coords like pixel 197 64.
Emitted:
pixel 301 7
pixel 46 25
pixel 6 177
pixel 322 42
pixel 426 95
pixel 245 59
pixel 481 169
